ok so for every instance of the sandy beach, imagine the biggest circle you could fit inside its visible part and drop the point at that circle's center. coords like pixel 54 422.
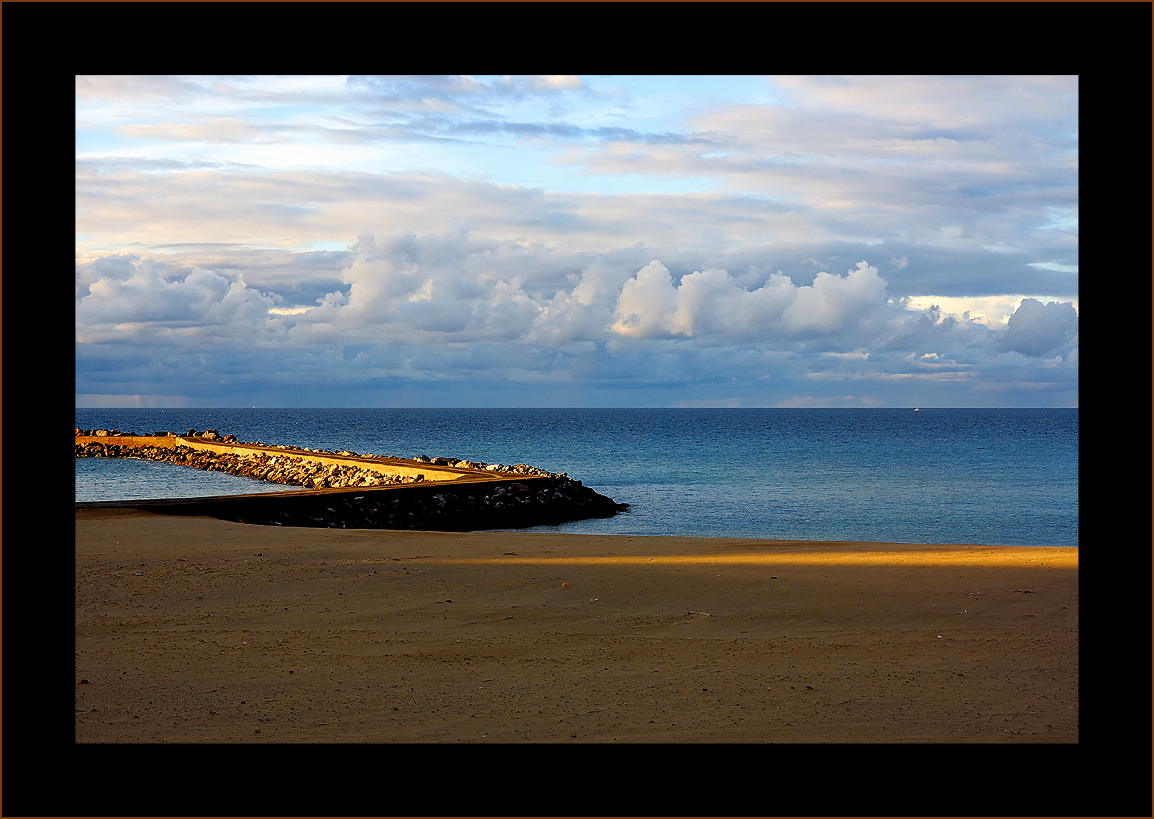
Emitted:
pixel 194 630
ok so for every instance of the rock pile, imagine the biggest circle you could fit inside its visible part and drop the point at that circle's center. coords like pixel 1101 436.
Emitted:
pixel 260 466
pixel 290 471
pixel 531 497
pixel 440 507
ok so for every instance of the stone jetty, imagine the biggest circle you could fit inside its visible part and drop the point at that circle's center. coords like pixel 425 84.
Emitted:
pixel 348 490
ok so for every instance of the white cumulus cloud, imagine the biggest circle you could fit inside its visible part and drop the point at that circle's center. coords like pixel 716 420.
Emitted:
pixel 712 302
pixel 129 290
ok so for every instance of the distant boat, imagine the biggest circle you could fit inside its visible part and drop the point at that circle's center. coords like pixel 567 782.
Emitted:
pixel 916 409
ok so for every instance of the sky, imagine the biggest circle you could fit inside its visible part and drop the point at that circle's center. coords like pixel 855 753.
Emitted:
pixel 576 241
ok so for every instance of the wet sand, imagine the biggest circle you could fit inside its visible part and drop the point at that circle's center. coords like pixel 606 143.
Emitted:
pixel 194 630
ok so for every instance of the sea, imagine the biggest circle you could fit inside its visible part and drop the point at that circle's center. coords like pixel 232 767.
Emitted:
pixel 986 476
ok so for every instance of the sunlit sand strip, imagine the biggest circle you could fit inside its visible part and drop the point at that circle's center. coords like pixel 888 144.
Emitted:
pixel 1049 557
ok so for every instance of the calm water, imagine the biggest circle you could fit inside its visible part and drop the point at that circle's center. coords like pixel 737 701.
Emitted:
pixel 994 476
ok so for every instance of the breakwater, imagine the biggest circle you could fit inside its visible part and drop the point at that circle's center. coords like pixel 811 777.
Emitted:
pixel 348 490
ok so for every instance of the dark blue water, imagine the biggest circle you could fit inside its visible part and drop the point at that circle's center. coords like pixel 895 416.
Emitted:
pixel 993 476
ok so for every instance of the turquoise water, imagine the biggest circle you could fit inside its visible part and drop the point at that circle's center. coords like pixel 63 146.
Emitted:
pixel 111 479
pixel 994 476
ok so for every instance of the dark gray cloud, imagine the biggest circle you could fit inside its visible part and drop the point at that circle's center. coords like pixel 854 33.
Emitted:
pixel 1041 330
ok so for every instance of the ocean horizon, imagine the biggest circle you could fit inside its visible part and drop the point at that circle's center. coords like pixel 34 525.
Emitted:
pixel 989 476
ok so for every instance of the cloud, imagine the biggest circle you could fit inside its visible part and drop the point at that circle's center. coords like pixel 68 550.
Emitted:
pixel 647 304
pixel 136 87
pixel 361 236
pixel 456 307
pixel 554 82
pixel 833 302
pixel 711 302
pixel 126 295
pixel 120 401
pixel 956 104
pixel 457 95
pixel 1041 330
pixel 296 209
